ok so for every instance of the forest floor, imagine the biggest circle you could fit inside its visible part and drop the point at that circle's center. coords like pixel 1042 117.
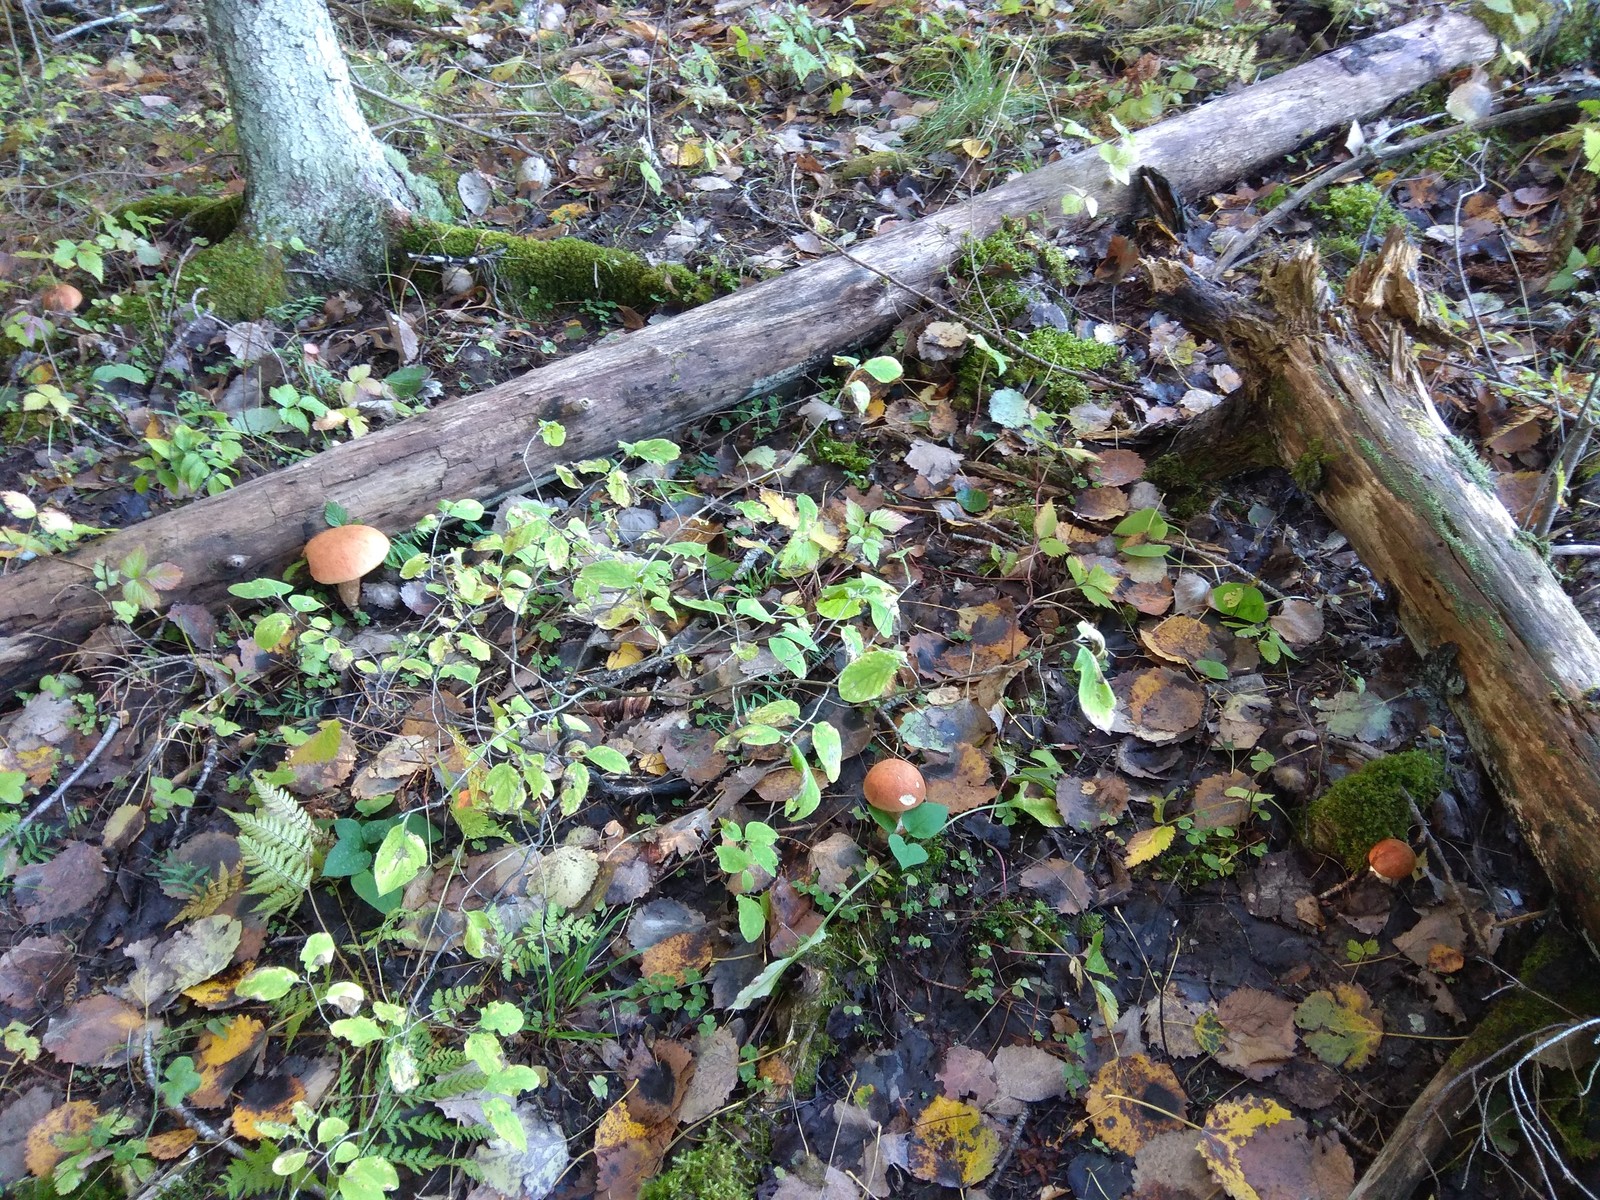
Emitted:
pixel 546 871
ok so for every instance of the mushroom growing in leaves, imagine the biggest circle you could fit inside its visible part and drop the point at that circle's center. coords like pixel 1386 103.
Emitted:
pixel 1392 860
pixel 343 554
pixel 895 786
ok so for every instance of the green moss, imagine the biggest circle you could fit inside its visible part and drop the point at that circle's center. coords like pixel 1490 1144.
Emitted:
pixel 847 456
pixel 1309 468
pixel 719 1168
pixel 210 217
pixel 879 160
pixel 243 278
pixel 537 274
pixel 1059 391
pixel 1354 213
pixel 1369 805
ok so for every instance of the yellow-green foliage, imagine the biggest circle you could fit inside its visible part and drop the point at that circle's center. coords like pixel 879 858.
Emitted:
pixel 537 274
pixel 719 1169
pixel 847 456
pixel 1369 805
pixel 210 217
pixel 242 277
pixel 1059 389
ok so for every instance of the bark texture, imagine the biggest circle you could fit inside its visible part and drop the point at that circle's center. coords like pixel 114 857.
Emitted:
pixel 665 376
pixel 1419 509
pixel 313 167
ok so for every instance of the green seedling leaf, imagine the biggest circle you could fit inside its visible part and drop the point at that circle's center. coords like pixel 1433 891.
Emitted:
pixel 260 589
pixel 358 1031
pixel 1240 601
pixel 370 1177
pixel 271 630
pixel 607 759
pixel 825 741
pixel 907 854
pixel 655 450
pixel 925 820
pixel 1010 409
pixel 501 1017
pixel 498 1112
pixel 870 677
pixel 804 802
pixel 1095 696
pixel 401 856
pixel 266 983
pixel 883 368
pixel 317 952
pixel 752 918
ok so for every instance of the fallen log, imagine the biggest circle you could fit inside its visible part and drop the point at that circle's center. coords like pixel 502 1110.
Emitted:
pixel 671 374
pixel 1415 504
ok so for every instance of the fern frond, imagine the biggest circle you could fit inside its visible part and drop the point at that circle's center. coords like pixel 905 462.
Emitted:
pixel 213 894
pixel 277 842
pixel 251 1174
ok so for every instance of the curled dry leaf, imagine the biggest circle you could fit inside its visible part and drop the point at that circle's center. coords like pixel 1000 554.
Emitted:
pixel 1258 1032
pixel 1183 640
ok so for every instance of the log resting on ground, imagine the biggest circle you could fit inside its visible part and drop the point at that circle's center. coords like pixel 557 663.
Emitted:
pixel 671 374
pixel 1416 505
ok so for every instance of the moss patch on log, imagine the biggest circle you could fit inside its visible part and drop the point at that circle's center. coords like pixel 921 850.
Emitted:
pixel 536 274
pixel 1369 805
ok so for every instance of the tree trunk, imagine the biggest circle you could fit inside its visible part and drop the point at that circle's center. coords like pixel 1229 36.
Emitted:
pixel 313 168
pixel 668 375
pixel 1416 505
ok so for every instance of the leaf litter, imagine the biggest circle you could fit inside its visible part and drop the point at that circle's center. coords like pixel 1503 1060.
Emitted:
pixel 549 756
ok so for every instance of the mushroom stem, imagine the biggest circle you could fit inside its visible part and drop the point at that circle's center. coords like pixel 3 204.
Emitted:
pixel 350 593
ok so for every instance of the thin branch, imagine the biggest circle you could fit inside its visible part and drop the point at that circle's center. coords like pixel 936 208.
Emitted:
pixel 66 784
pixel 118 18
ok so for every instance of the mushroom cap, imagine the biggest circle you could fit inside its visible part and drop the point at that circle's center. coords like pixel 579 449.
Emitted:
pixel 895 786
pixel 1392 859
pixel 60 298
pixel 345 553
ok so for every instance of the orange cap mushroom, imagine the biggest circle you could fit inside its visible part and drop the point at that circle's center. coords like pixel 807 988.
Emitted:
pixel 343 554
pixel 1392 860
pixel 894 786
pixel 61 298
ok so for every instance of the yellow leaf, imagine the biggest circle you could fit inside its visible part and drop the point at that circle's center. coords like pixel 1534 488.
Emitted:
pixel 1133 1100
pixel 782 509
pixel 624 655
pixel 1229 1125
pixel 1148 844
pixel 952 1145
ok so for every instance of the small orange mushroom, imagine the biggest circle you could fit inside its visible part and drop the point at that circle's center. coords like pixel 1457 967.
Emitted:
pixel 61 298
pixel 894 786
pixel 1392 860
pixel 343 554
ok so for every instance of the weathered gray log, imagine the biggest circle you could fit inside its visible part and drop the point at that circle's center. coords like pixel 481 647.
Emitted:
pixel 668 375
pixel 1417 506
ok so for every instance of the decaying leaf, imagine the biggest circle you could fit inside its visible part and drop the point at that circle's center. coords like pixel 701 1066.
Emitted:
pixel 951 1144
pixel 1063 884
pixel 1340 1025
pixel 195 953
pixel 68 884
pixel 1029 1074
pixel 1170 1021
pixel 31 970
pixel 716 1073
pixel 1132 1100
pixel 1257 1151
pixel 1258 1032
pixel 1158 705
pixel 1183 640
pixel 98 1031
pixel 968 1073
pixel 44 1146
pixel 224 1058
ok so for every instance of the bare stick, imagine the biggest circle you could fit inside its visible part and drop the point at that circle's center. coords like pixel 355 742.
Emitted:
pixel 61 791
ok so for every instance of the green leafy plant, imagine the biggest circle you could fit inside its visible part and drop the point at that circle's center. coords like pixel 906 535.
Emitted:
pixel 278 843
